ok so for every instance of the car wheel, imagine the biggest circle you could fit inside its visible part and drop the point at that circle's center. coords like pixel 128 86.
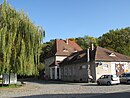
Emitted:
pixel 98 83
pixel 128 82
pixel 108 83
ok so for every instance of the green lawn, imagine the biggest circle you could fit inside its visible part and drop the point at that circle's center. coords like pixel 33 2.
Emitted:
pixel 10 86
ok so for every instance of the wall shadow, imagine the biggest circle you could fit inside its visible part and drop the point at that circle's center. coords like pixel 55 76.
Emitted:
pixel 40 81
pixel 95 95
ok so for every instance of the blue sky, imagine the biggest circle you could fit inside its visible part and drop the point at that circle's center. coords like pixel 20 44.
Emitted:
pixel 75 18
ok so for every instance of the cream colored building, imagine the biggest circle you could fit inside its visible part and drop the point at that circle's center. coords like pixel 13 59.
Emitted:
pixel 85 65
pixel 61 50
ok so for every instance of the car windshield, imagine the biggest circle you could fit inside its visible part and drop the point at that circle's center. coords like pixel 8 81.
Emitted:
pixel 104 76
pixel 125 75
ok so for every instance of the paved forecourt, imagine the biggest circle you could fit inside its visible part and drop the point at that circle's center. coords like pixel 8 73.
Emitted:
pixel 51 89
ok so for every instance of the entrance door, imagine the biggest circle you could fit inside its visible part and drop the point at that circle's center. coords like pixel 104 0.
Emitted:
pixel 53 73
pixel 57 73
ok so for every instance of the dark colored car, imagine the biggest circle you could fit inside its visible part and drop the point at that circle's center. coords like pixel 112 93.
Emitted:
pixel 125 78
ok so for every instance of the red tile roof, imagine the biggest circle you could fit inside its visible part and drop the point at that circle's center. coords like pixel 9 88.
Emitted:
pixel 64 48
pixel 80 56
pixel 105 55
pixel 98 54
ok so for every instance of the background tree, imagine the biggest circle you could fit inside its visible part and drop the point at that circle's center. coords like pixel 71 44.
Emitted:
pixel 117 40
pixel 85 42
pixel 20 42
pixel 46 47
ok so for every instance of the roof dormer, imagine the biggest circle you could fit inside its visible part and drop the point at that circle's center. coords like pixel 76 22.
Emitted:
pixel 112 54
pixel 65 50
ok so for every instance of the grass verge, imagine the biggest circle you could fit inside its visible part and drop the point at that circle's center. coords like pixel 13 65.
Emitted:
pixel 10 86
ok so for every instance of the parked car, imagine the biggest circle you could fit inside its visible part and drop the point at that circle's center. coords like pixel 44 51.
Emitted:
pixel 108 79
pixel 125 78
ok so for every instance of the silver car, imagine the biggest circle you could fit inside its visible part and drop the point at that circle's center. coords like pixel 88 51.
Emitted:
pixel 108 79
pixel 125 78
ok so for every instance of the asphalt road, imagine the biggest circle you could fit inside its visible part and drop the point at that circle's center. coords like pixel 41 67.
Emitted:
pixel 125 94
pixel 55 89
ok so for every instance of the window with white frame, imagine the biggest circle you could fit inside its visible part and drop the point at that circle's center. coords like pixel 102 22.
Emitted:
pixel 105 66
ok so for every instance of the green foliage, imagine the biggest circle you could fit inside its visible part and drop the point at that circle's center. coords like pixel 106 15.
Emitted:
pixel 85 42
pixel 20 42
pixel 46 48
pixel 40 67
pixel 116 40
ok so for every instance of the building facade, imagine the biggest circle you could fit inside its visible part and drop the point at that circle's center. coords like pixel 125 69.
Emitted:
pixel 61 50
pixel 84 66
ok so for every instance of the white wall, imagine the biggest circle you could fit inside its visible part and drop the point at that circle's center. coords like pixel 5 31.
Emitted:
pixel 49 61
pixel 128 64
pixel 113 71
pixel 104 68
pixel 60 58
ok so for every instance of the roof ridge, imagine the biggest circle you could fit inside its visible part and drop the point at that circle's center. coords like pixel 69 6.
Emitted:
pixel 103 53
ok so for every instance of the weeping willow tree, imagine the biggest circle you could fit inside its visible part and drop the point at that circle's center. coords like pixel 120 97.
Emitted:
pixel 20 42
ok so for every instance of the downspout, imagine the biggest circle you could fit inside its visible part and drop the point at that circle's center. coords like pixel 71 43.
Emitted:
pixel 89 69
pixel 88 55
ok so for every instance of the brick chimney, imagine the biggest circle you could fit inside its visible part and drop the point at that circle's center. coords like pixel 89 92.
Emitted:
pixel 67 41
